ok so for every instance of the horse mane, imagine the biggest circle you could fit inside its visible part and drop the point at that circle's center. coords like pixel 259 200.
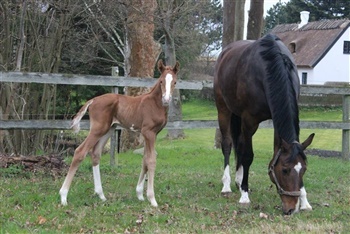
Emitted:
pixel 280 91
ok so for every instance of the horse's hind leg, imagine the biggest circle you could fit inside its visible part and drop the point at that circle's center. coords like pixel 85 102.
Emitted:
pixel 79 155
pixel 95 156
pixel 224 118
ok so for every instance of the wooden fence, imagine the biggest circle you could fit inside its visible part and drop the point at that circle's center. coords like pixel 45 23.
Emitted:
pixel 116 81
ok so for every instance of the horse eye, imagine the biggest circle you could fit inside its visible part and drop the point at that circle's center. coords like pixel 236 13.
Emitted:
pixel 285 171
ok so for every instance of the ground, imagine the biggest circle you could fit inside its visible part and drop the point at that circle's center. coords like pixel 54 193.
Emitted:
pixel 52 164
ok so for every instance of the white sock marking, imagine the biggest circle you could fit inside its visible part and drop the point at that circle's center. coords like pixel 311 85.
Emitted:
pixel 139 189
pixel 304 204
pixel 97 182
pixel 239 176
pixel 244 197
pixel 63 194
pixel 226 180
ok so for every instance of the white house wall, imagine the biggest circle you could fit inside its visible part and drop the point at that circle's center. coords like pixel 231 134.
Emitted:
pixel 334 67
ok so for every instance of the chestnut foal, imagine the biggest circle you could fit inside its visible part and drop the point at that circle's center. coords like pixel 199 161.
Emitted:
pixel 146 113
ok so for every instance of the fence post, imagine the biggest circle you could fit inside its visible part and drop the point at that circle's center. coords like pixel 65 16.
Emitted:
pixel 346 132
pixel 114 138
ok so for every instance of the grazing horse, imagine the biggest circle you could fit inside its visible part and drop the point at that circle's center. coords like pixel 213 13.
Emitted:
pixel 146 113
pixel 255 81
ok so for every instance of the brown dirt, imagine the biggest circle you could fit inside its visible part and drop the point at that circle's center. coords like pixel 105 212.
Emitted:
pixel 53 164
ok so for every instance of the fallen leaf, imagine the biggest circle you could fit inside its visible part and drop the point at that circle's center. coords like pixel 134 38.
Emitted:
pixel 263 216
pixel 41 220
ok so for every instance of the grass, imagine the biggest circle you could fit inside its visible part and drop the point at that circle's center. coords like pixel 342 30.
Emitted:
pixel 187 187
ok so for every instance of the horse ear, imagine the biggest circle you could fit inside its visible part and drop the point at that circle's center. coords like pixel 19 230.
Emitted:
pixel 161 66
pixel 308 141
pixel 176 67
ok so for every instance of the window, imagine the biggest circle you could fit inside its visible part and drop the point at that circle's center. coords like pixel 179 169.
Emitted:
pixel 304 78
pixel 292 47
pixel 346 48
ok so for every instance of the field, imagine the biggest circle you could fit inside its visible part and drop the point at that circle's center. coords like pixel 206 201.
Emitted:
pixel 187 187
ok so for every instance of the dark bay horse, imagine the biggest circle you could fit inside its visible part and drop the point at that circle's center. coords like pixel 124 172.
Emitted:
pixel 146 113
pixel 255 81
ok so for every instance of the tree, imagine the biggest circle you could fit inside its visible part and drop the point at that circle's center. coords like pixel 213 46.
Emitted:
pixel 229 25
pixel 33 35
pixel 144 52
pixel 255 21
pixel 187 29
pixel 239 19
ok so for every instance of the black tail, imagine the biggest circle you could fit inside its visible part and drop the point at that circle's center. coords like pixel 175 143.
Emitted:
pixel 235 133
pixel 281 91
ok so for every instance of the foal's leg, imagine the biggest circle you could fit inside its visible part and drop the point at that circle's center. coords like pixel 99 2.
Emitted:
pixel 78 157
pixel 148 166
pixel 95 156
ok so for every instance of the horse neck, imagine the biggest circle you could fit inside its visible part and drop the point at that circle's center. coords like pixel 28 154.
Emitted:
pixel 156 93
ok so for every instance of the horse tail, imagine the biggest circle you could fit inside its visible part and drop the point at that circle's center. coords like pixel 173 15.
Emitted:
pixel 76 121
pixel 235 132
pixel 281 87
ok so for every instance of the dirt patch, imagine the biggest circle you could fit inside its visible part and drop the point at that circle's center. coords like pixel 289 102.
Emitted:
pixel 323 153
pixel 53 164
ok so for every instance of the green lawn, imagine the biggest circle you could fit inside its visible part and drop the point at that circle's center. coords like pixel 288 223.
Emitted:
pixel 187 187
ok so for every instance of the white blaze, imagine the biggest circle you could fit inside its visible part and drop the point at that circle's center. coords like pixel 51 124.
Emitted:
pixel 298 167
pixel 168 80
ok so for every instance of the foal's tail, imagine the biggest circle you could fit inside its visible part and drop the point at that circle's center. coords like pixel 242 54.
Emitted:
pixel 76 121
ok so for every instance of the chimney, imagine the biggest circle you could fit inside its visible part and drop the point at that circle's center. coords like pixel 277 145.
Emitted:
pixel 304 17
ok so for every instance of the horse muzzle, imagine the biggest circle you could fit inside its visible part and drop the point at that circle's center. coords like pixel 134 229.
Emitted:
pixel 166 100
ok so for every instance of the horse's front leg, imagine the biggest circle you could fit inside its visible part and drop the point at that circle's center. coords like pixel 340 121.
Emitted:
pixel 148 168
pixel 304 203
pixel 245 158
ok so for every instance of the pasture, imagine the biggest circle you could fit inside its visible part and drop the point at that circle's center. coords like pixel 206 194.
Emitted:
pixel 187 187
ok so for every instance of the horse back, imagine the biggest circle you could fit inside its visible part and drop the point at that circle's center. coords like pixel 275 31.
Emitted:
pixel 238 79
pixel 130 112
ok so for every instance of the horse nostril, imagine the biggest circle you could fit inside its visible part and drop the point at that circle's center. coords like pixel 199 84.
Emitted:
pixel 289 212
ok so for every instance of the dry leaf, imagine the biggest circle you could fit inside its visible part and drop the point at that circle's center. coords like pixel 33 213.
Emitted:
pixel 263 216
pixel 41 220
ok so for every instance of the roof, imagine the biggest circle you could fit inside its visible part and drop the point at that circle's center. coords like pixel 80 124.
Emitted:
pixel 310 43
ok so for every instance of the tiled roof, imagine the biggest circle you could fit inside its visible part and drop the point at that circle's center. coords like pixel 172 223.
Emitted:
pixel 310 43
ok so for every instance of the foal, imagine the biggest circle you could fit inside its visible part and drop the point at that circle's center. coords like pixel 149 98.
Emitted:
pixel 146 113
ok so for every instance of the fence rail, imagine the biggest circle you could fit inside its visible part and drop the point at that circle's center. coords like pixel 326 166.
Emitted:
pixel 117 81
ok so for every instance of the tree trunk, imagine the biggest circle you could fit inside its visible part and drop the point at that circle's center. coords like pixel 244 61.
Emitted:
pixel 175 108
pixel 228 22
pixel 239 20
pixel 255 21
pixel 144 52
